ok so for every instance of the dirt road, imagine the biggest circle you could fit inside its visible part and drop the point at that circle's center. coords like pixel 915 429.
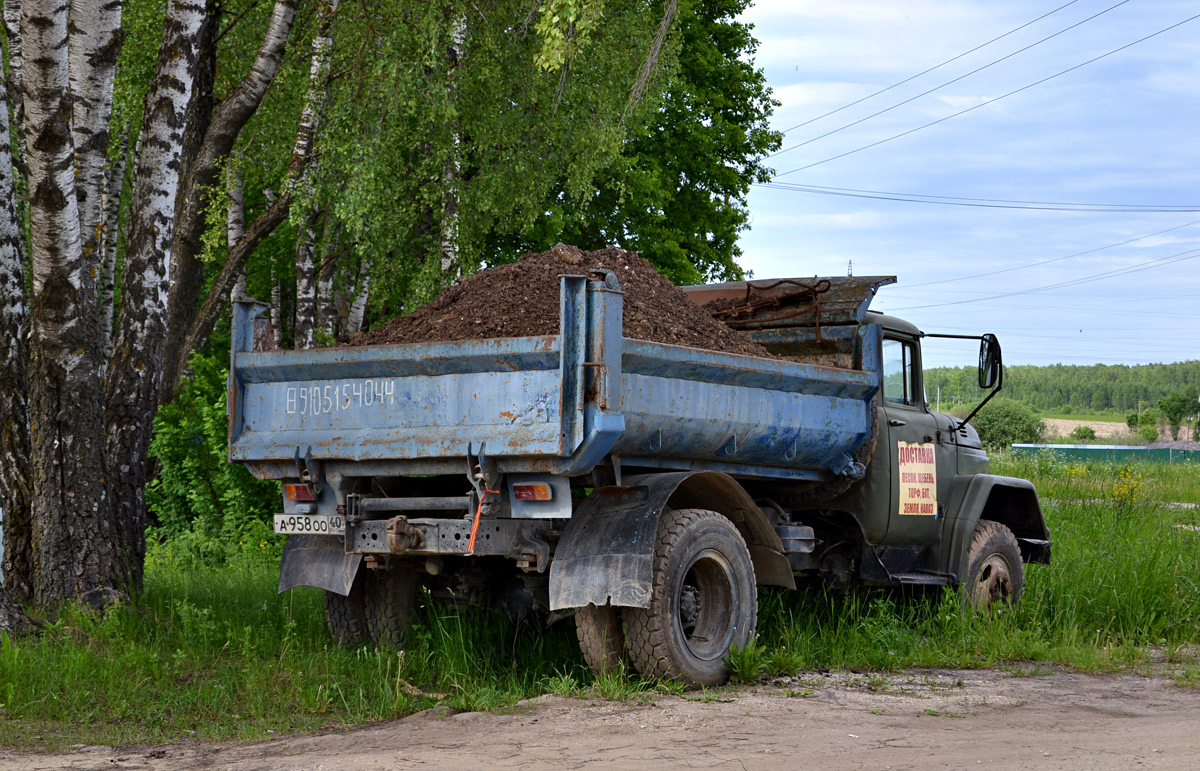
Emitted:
pixel 936 719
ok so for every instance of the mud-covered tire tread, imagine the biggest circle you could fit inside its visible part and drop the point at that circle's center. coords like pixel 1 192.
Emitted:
pixel 601 637
pixel 346 615
pixel 391 598
pixel 647 641
pixel 994 538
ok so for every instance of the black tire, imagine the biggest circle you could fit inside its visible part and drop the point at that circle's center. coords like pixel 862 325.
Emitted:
pixel 600 637
pixel 703 600
pixel 995 572
pixel 346 615
pixel 391 598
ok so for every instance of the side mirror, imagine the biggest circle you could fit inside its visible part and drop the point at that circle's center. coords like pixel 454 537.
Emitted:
pixel 989 361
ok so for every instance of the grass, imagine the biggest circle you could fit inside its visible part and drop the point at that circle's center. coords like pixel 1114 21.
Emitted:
pixel 215 654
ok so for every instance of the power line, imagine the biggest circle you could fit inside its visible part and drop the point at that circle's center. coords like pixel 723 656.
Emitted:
pixel 1055 259
pixel 992 100
pixel 985 203
pixel 1157 263
pixel 926 72
pixel 947 83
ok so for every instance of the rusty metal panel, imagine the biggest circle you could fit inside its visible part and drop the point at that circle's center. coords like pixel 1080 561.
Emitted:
pixel 703 409
pixel 789 302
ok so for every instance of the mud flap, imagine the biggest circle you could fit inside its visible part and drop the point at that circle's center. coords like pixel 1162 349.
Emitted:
pixel 606 554
pixel 320 561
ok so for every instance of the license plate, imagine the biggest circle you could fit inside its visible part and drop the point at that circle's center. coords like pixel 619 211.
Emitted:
pixel 313 525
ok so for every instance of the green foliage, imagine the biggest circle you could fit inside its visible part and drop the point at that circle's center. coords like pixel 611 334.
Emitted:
pixel 515 118
pixel 1095 388
pixel 562 25
pixel 1131 420
pixel 677 193
pixel 1148 432
pixel 1178 405
pixel 412 133
pixel 198 498
pixel 1003 422
pixel 747 663
pixel 1083 433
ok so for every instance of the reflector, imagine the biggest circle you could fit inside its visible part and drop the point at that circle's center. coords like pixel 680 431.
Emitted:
pixel 298 492
pixel 539 491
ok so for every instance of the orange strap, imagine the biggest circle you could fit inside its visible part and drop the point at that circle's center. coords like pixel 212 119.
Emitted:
pixel 475 527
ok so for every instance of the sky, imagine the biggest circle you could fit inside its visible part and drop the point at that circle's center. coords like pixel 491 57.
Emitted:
pixel 1119 137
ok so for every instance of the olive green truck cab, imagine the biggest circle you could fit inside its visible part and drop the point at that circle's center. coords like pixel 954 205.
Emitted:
pixel 926 510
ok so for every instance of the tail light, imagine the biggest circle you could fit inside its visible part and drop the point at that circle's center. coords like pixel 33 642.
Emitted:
pixel 298 492
pixel 532 491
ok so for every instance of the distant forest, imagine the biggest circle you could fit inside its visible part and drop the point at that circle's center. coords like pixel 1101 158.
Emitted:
pixel 1098 387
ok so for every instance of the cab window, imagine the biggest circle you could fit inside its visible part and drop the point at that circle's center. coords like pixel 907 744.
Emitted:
pixel 898 372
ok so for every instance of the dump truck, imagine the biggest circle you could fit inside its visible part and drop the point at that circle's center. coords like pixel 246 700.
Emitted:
pixel 646 489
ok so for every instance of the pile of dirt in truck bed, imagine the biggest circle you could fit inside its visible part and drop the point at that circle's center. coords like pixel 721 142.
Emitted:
pixel 522 299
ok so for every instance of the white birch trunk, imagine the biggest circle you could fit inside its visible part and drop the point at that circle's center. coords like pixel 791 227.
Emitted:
pixel 277 312
pixel 73 548
pixel 16 61
pixel 218 142
pixel 235 221
pixel 362 294
pixel 96 38
pixel 306 284
pixel 110 232
pixel 136 369
pixel 14 398
pixel 450 246
pixel 310 118
pixel 326 301
pixel 206 317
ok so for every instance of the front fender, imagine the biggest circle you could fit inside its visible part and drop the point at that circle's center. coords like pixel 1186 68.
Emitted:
pixel 1010 501
pixel 606 553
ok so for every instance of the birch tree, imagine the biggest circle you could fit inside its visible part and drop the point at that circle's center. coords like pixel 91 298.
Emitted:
pixel 136 369
pixel 73 548
pixel 310 119
pixel 75 442
pixel 15 492
pixel 202 183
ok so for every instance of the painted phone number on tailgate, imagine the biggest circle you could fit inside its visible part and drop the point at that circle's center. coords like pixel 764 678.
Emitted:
pixel 319 400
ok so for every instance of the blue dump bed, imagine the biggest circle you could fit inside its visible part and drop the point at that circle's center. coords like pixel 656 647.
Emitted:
pixel 556 404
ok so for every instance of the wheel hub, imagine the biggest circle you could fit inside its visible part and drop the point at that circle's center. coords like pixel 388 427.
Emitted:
pixel 995 581
pixel 689 608
pixel 705 602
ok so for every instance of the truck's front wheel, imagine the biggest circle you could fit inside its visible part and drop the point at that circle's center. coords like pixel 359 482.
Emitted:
pixel 703 600
pixel 995 573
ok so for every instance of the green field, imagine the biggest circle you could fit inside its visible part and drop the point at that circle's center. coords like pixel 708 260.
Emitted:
pixel 213 653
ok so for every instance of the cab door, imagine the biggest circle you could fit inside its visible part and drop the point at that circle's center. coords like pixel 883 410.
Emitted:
pixel 913 446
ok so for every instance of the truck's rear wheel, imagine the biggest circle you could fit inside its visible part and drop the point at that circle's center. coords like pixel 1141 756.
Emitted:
pixel 347 614
pixel 703 600
pixel 995 573
pixel 600 637
pixel 391 598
